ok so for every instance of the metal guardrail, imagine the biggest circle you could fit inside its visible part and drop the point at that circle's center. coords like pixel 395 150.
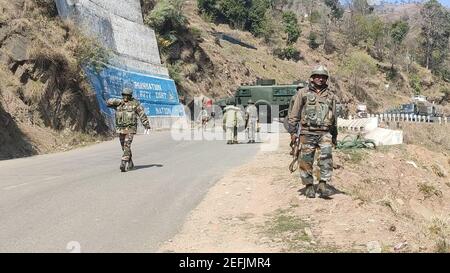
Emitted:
pixel 409 118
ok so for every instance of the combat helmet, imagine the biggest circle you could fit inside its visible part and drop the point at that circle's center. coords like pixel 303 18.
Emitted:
pixel 250 101
pixel 320 70
pixel 127 91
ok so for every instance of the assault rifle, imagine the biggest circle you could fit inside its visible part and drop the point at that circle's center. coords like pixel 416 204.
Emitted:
pixel 296 148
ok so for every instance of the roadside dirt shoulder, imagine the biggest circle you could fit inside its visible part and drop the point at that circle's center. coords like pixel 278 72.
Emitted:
pixel 394 199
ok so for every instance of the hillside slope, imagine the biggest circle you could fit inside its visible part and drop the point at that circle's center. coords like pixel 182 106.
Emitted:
pixel 46 104
pixel 224 66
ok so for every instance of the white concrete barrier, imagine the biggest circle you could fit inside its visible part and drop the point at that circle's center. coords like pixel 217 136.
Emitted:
pixel 362 124
pixel 383 136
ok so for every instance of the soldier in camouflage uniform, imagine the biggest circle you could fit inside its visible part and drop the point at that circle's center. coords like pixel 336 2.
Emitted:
pixel 232 120
pixel 251 120
pixel 127 111
pixel 314 110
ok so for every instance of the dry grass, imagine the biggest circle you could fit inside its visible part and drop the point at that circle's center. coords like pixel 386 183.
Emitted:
pixel 361 193
pixel 439 230
pixel 432 136
pixel 429 190
pixel 7 78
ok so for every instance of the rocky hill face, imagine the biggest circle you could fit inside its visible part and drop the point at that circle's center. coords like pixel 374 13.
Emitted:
pixel 45 104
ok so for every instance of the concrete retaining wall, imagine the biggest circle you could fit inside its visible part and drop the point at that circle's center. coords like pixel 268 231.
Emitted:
pixel 135 40
pixel 128 9
pixel 119 26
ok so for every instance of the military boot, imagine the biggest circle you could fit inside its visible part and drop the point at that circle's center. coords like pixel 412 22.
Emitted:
pixel 229 142
pixel 130 165
pixel 310 192
pixel 323 190
pixel 123 165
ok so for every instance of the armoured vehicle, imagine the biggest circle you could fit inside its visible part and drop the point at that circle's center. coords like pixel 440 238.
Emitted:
pixel 266 93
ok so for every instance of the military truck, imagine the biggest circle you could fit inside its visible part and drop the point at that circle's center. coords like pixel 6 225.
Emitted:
pixel 266 93
pixel 416 108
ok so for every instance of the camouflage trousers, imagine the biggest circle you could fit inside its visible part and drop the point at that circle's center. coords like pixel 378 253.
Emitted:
pixel 252 129
pixel 310 144
pixel 231 134
pixel 125 142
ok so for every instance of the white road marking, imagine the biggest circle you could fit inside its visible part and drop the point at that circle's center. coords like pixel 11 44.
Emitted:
pixel 43 180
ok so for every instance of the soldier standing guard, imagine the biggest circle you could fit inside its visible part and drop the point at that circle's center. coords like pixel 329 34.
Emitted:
pixel 251 119
pixel 314 110
pixel 127 111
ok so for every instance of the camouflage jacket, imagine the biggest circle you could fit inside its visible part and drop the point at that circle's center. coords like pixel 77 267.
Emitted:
pixel 127 114
pixel 315 110
pixel 251 112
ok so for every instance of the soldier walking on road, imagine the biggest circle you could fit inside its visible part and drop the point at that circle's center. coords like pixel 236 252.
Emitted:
pixel 314 111
pixel 127 111
pixel 251 120
pixel 232 119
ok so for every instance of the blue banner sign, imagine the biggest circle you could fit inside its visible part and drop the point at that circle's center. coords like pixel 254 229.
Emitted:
pixel 157 95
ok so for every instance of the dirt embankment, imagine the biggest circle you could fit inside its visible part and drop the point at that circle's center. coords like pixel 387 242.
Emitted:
pixel 46 103
pixel 394 199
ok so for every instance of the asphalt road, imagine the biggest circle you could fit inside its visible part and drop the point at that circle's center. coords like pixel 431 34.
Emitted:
pixel 80 201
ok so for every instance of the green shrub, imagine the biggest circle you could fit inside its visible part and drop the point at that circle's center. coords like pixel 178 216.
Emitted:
pixel 88 51
pixel 175 72
pixel 236 12
pixel 315 17
pixel 259 19
pixel 291 27
pixel 312 40
pixel 288 53
pixel 253 16
pixel 208 7
pixel 167 16
pixel 358 66
pixel 415 83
